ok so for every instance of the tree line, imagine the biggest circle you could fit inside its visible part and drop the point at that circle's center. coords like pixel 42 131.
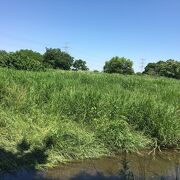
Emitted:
pixel 25 59
pixel 54 58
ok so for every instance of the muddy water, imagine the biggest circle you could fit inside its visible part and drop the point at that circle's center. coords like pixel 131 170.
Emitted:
pixel 142 166
pixel 163 166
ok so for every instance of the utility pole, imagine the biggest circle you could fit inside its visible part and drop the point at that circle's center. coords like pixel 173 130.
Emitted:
pixel 142 64
pixel 66 47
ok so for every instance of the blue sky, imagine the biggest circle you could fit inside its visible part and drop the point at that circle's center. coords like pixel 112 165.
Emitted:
pixel 94 30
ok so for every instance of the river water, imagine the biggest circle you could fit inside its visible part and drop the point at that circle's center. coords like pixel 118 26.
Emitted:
pixel 163 166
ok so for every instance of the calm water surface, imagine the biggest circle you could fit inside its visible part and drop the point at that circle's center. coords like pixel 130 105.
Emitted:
pixel 163 166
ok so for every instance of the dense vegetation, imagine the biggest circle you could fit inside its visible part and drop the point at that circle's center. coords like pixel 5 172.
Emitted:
pixel 54 58
pixel 22 60
pixel 73 115
pixel 169 68
pixel 25 59
pixel 119 65
pixel 80 65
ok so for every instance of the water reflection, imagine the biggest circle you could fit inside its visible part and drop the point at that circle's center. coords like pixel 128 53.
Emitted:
pixel 163 166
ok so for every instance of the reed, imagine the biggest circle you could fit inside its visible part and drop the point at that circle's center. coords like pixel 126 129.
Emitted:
pixel 78 115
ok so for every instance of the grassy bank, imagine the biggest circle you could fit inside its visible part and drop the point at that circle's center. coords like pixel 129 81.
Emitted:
pixel 55 116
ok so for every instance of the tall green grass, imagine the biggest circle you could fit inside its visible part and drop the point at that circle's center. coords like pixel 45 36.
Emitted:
pixel 78 115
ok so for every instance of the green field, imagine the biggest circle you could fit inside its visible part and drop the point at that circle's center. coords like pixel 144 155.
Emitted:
pixel 56 116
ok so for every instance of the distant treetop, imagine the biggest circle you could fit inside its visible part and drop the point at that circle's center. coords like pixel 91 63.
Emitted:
pixel 80 65
pixel 55 58
pixel 119 65
pixel 169 68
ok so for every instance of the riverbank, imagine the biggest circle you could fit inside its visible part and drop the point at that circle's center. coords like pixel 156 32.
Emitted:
pixel 58 116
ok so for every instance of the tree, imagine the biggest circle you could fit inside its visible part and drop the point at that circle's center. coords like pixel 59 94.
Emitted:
pixel 3 58
pixel 119 65
pixel 138 73
pixel 55 58
pixel 169 68
pixel 96 71
pixel 151 69
pixel 25 60
pixel 80 65
pixel 29 54
pixel 21 60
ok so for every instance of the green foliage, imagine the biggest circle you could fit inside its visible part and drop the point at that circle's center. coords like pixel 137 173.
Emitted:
pixel 80 65
pixel 74 141
pixel 22 60
pixel 96 71
pixel 169 68
pixel 139 73
pixel 119 65
pixel 55 58
pixel 4 56
pixel 118 135
pixel 76 115
pixel 29 54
